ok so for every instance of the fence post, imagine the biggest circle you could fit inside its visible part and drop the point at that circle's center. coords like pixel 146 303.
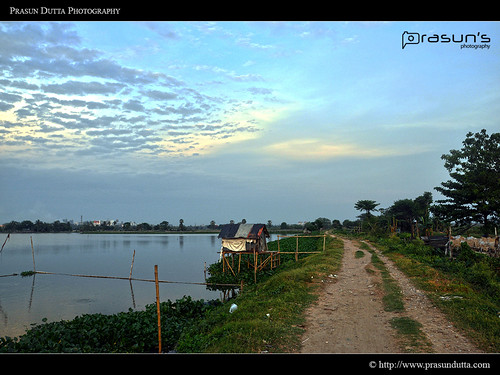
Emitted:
pixel 33 254
pixel 158 307
pixel 132 265
pixel 297 249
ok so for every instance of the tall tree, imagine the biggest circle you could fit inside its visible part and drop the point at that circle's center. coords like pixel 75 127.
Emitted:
pixel 473 192
pixel 366 205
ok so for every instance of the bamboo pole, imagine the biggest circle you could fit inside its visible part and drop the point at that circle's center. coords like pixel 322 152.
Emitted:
pixel 33 254
pixel 255 266
pixel 126 278
pixel 229 266
pixel 132 293
pixel 132 265
pixel 158 307
pixel 297 249
pixel 8 237
pixel 317 235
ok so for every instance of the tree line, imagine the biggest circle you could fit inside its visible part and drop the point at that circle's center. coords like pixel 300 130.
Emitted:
pixel 471 195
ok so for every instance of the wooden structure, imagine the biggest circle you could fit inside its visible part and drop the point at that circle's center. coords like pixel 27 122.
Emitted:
pixel 244 237
pixel 239 239
pixel 250 239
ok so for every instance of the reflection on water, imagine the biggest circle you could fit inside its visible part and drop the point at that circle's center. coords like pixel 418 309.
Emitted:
pixel 26 300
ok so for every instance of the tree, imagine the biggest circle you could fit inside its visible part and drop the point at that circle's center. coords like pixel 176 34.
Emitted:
pixel 366 205
pixel 323 223
pixel 405 211
pixel 336 224
pixel 144 226
pixel 473 192
pixel 181 225
pixel 164 225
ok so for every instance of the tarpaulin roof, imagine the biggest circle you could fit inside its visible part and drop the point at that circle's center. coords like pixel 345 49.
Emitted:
pixel 243 231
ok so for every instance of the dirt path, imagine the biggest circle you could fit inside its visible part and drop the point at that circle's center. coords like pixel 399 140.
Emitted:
pixel 349 316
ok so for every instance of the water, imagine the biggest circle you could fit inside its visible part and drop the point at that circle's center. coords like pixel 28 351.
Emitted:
pixel 27 300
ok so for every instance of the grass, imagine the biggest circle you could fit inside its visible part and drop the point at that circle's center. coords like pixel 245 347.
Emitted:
pixel 464 288
pixel 411 337
pixel 392 299
pixel 270 313
pixel 359 254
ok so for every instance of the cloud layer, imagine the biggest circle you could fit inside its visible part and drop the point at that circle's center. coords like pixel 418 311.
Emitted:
pixel 59 96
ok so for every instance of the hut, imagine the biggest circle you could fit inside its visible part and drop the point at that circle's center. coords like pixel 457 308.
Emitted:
pixel 244 238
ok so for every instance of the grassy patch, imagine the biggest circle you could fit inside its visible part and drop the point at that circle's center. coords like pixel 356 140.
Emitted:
pixel 411 336
pixel 392 299
pixel 269 313
pixel 359 254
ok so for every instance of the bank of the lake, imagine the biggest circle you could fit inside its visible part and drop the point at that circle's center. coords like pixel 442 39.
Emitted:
pixel 267 319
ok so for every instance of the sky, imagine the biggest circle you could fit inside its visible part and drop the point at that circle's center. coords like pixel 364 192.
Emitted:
pixel 202 120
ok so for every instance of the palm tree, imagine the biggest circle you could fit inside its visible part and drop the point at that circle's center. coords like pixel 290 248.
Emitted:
pixel 366 205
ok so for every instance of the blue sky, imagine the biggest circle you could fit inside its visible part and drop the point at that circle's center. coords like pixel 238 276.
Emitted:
pixel 281 121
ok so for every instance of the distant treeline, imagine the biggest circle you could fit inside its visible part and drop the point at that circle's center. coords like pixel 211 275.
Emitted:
pixel 27 226
pixel 36 227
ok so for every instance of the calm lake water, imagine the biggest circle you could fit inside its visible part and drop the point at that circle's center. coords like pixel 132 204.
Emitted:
pixel 26 300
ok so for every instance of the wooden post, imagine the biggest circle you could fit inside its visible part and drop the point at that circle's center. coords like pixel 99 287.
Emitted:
pixel 132 265
pixel 255 266
pixel 158 307
pixel 297 249
pixel 324 242
pixel 7 238
pixel 279 255
pixel 33 254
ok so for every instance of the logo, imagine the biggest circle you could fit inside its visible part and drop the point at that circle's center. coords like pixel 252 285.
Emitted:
pixel 410 38
pixel 474 41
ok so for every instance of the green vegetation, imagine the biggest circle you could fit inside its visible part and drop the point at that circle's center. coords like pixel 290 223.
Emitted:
pixel 466 288
pixel 392 299
pixel 412 338
pixel 473 193
pixel 130 332
pixel 269 313
pixel 359 254
pixel 411 335
pixel 27 273
pixel 246 274
pixel 267 319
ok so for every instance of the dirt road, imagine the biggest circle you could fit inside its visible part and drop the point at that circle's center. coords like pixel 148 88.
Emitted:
pixel 349 316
